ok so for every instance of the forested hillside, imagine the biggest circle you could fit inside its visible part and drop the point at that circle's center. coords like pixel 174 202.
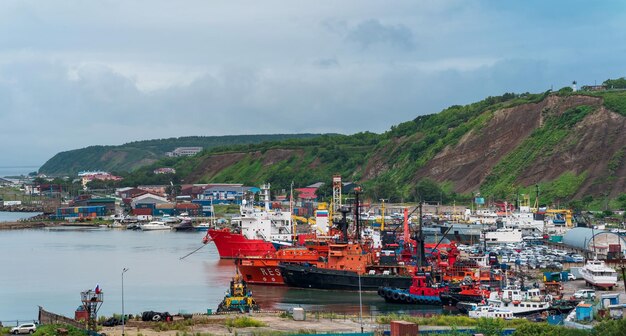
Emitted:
pixel 572 145
pixel 133 155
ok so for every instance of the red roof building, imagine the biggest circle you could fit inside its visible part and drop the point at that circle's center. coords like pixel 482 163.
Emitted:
pixel 307 194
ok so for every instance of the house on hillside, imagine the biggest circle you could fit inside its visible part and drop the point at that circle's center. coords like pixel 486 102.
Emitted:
pixel 184 151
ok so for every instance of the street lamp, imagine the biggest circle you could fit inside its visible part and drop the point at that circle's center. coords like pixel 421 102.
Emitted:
pixel 360 302
pixel 124 270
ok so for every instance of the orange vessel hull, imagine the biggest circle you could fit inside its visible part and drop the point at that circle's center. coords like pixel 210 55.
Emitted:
pixel 263 270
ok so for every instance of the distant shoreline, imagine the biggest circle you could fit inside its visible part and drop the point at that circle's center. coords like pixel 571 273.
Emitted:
pixel 19 225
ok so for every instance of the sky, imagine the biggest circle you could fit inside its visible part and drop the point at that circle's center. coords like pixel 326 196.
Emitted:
pixel 77 73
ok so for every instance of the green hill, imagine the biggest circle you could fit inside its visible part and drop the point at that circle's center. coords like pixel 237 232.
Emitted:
pixel 570 144
pixel 133 155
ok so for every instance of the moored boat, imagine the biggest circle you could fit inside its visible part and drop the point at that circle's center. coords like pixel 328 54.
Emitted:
pixel 423 290
pixel 260 229
pixel 465 293
pixel 311 276
pixel 264 270
pixel 520 302
pixel 238 298
pixel 203 227
pixel 490 312
pixel 154 225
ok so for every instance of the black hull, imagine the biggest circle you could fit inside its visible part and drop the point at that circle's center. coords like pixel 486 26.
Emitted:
pixel 319 278
pixel 452 299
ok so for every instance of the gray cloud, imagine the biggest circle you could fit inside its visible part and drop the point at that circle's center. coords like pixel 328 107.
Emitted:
pixel 74 74
pixel 373 33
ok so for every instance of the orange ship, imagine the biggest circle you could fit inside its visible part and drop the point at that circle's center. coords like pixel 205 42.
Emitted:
pixel 264 269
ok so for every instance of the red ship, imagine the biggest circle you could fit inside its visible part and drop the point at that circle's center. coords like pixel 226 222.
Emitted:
pixel 260 230
pixel 230 245
pixel 263 270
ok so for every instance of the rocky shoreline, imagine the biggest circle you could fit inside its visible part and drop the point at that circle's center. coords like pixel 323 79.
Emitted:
pixel 19 225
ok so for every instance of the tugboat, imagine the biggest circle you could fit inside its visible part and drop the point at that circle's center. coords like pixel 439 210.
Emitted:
pixel 238 298
pixel 423 290
pixel 466 293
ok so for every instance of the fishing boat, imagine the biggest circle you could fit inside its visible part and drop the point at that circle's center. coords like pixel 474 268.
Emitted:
pixel 154 225
pixel 260 232
pixel 597 274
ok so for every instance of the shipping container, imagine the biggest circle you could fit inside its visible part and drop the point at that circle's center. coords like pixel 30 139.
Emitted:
pixel 203 202
pixel 556 239
pixel 142 212
pixel 185 206
pixel 404 328
pixel 165 206
pixel 145 206
pixel 614 247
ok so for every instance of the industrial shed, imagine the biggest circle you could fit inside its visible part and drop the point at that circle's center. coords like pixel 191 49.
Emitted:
pixel 604 242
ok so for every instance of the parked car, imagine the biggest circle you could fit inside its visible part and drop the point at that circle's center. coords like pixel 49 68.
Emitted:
pixel 585 293
pixel 571 277
pixel 25 328
pixel 577 258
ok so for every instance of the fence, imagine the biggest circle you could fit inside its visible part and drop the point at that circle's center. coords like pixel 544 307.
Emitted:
pixel 46 317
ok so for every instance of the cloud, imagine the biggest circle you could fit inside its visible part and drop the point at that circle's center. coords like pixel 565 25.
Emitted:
pixel 74 74
pixel 372 32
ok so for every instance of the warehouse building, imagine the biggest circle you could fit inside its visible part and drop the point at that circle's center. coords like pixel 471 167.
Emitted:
pixel 606 244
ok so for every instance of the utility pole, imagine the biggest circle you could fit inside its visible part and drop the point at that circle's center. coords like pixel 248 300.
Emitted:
pixel 124 270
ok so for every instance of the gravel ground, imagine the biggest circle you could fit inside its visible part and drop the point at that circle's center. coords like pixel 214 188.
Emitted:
pixel 215 326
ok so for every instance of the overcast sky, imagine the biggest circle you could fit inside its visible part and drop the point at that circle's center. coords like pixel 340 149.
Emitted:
pixel 79 73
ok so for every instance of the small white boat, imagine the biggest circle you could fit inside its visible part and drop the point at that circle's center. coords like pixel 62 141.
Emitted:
pixel 491 312
pixel 155 225
pixel 203 227
pixel 596 273
pixel 520 302
pixel 116 225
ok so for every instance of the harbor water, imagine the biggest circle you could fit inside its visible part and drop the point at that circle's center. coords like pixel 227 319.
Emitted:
pixel 50 267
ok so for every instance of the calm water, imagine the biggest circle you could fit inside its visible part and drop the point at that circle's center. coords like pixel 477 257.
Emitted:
pixel 50 267
pixel 14 216
pixel 17 171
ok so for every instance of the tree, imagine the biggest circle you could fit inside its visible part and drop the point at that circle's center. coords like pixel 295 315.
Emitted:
pixel 489 326
pixel 428 190
pixel 587 200
pixel 619 83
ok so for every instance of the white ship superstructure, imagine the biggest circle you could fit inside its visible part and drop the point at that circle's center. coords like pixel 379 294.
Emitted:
pixel 598 274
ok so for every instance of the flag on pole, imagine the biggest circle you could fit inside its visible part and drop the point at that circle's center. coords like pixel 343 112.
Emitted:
pixel 98 290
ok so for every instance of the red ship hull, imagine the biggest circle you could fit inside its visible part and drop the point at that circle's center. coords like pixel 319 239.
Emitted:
pixel 232 245
pixel 259 272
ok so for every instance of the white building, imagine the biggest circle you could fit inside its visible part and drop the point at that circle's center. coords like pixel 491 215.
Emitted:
pixel 184 151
